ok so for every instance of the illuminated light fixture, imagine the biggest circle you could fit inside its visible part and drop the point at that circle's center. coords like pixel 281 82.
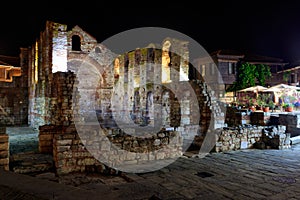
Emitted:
pixel 7 73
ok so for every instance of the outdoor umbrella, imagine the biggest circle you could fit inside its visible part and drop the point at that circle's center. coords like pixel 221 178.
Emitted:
pixel 254 90
pixel 257 88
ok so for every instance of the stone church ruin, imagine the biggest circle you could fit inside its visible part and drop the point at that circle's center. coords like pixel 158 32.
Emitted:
pixel 96 110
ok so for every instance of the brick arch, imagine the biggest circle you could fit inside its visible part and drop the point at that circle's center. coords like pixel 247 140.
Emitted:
pixel 167 43
pixel 75 63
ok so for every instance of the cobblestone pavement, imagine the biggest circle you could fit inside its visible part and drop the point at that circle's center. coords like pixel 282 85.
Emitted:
pixel 241 175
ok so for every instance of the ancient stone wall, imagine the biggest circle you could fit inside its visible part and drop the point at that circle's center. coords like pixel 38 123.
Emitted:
pixel 13 106
pixel 86 44
pixel 137 74
pixel 276 137
pixel 236 117
pixel 71 154
pixel 44 56
pixel 126 95
pixel 292 123
pixel 46 134
pixel 234 139
pixel 4 149
pixel 260 118
pixel 61 103
pixel 247 137
pixel 14 97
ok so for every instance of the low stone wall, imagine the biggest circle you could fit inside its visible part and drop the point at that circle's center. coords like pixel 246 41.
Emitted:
pixel 14 104
pixel 102 150
pixel 73 152
pixel 292 123
pixel 260 118
pixel 4 149
pixel 237 138
pixel 276 137
pixel 46 134
pixel 235 117
pixel 70 155
pixel 247 137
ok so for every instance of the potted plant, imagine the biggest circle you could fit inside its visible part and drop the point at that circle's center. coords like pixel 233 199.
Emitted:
pixel 271 105
pixel 262 102
pixel 288 107
pixel 288 104
pixel 266 108
pixel 251 104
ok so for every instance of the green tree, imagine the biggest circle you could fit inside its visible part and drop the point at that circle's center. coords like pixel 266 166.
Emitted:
pixel 249 74
pixel 262 73
pixel 286 76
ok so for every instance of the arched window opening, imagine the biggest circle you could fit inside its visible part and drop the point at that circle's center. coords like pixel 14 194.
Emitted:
pixel 149 117
pixel 166 108
pixel 137 56
pixel 76 43
pixel 166 62
pixel 150 55
pixel 135 116
pixel 117 68
pixel 98 50
pixel 192 72
pixel 126 65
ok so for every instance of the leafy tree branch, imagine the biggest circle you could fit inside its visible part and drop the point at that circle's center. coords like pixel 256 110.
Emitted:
pixel 249 75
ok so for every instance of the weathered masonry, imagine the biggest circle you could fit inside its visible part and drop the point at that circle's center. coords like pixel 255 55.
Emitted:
pixel 138 100
pixel 13 91
pixel 4 149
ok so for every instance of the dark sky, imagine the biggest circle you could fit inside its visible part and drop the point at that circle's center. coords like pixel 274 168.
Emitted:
pixel 260 27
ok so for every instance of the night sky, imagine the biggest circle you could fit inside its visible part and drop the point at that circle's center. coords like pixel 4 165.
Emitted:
pixel 259 27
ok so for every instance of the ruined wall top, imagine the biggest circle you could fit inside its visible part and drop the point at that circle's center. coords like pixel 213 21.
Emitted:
pixel 84 40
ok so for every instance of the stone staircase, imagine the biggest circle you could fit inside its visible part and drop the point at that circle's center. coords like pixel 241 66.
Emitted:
pixel 31 163
pixel 24 155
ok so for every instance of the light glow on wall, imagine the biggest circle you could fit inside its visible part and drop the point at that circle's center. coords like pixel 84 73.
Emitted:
pixel 165 68
pixel 165 61
pixel 59 60
pixel 36 62
pixel 184 68
pixel 117 68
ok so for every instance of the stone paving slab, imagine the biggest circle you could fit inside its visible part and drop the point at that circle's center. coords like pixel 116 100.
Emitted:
pixel 244 174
